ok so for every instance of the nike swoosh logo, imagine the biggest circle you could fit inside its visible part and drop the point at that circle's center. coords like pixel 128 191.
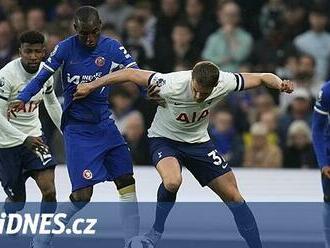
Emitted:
pixel 224 166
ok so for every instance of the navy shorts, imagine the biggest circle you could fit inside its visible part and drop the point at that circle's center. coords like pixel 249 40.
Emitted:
pixel 16 164
pixel 201 159
pixel 95 153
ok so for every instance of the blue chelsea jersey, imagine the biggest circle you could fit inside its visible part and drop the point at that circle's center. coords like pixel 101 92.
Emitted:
pixel 81 65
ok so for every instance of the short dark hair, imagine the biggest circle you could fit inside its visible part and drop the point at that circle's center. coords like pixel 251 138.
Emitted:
pixel 32 37
pixel 320 10
pixel 86 14
pixel 206 74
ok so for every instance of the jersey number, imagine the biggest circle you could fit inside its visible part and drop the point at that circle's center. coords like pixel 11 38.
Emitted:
pixel 123 49
pixel 217 159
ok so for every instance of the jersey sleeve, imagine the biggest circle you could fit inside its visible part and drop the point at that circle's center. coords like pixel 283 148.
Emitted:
pixel 5 88
pixel 231 81
pixel 56 57
pixel 322 105
pixel 163 82
pixel 121 56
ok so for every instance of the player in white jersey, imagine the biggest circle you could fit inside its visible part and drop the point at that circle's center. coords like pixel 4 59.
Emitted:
pixel 22 149
pixel 178 135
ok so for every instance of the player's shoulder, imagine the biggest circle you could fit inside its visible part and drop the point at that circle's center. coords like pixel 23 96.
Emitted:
pixel 177 79
pixel 108 41
pixel 325 89
pixel 11 68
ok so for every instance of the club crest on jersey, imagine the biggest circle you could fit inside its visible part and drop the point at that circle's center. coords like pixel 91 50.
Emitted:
pixel 2 82
pixel 100 61
pixel 87 174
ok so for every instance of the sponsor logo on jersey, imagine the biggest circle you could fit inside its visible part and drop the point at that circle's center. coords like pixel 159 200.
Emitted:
pixel 100 61
pixel 77 79
pixel 87 174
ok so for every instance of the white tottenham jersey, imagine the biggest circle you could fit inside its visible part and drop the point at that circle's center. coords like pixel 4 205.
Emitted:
pixel 184 119
pixel 13 78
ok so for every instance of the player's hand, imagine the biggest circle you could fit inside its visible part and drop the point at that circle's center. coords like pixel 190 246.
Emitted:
pixel 287 86
pixel 36 144
pixel 15 106
pixel 326 171
pixel 153 94
pixel 82 91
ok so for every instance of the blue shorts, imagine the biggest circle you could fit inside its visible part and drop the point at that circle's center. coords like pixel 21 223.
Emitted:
pixel 95 153
pixel 16 164
pixel 201 159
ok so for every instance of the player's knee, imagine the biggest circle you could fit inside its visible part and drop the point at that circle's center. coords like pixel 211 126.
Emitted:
pixel 49 194
pixel 173 184
pixel 82 196
pixel 233 195
pixel 124 181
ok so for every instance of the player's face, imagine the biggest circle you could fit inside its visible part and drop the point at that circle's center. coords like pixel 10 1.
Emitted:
pixel 200 93
pixel 88 33
pixel 31 56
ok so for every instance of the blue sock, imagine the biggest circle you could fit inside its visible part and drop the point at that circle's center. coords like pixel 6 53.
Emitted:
pixel 246 224
pixel 165 202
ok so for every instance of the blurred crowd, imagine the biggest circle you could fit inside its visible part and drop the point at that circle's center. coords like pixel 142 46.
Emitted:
pixel 255 128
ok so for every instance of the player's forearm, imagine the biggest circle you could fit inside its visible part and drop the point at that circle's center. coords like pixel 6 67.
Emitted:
pixel 319 124
pixel 270 80
pixel 136 76
pixel 54 109
pixel 34 86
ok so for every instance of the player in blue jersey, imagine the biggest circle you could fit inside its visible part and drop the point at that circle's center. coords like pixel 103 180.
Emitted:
pixel 95 149
pixel 321 142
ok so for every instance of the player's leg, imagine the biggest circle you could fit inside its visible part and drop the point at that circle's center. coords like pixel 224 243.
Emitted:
pixel 45 180
pixel 326 210
pixel 119 165
pixel 169 170
pixel 12 179
pixel 165 158
pixel 225 187
pixel 78 199
pixel 210 169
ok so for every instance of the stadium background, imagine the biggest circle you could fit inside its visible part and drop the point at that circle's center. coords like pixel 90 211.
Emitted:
pixel 256 128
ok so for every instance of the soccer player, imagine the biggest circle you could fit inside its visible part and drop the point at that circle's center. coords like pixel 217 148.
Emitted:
pixel 321 143
pixel 178 135
pixel 20 133
pixel 95 149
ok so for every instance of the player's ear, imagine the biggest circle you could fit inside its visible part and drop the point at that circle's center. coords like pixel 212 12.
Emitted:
pixel 75 27
pixel 20 51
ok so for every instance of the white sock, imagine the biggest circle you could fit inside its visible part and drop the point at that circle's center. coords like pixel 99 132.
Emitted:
pixel 129 212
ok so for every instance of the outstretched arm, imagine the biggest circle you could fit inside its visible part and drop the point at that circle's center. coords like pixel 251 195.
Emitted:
pixel 139 77
pixel 253 80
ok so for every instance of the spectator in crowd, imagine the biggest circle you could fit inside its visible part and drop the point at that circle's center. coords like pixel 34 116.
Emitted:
pixel 7 44
pixel 178 53
pixel 18 21
pixel 270 120
pixel 36 19
pixel 300 108
pixel 262 103
pixel 135 42
pixel 316 42
pixel 226 139
pixel 115 12
pixel 135 135
pixel 202 26
pixel 110 30
pixel 294 19
pixel 271 15
pixel 168 17
pixel 304 78
pixel 261 153
pixel 143 11
pixel 299 152
pixel 230 45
